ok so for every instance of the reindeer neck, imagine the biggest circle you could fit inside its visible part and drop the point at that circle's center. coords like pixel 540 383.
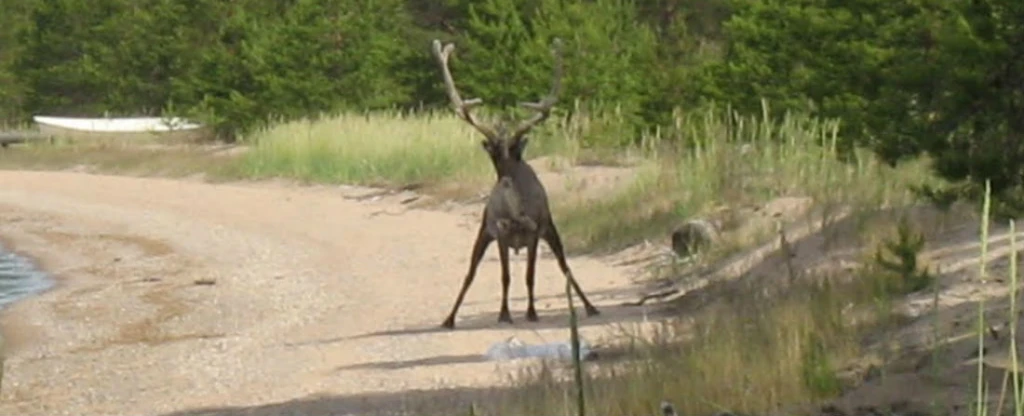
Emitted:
pixel 509 167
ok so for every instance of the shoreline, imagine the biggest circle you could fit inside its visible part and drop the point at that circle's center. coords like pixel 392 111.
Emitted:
pixel 10 339
pixel 17 336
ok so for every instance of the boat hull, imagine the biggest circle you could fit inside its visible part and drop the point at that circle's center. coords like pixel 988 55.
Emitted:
pixel 138 129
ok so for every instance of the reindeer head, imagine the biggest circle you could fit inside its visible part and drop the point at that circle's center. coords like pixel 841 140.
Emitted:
pixel 503 143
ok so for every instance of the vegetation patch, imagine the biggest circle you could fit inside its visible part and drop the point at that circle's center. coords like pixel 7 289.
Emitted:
pixel 736 161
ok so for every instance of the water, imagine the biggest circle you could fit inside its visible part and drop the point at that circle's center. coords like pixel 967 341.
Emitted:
pixel 19 278
pixel 512 349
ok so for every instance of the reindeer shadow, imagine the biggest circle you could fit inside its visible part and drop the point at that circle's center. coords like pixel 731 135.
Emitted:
pixel 605 354
pixel 549 319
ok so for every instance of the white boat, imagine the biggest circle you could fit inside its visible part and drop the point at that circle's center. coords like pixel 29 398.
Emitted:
pixel 171 129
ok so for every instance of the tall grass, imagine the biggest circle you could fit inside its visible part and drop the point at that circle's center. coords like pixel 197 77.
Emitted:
pixel 705 161
pixel 753 354
pixel 981 404
pixel 736 161
pixel 982 390
pixel 1018 397
pixel 749 354
pixel 385 148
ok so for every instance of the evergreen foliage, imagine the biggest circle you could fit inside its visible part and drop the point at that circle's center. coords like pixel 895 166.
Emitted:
pixel 906 77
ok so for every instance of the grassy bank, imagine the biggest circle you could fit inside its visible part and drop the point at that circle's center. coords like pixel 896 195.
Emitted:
pixel 747 353
pixel 733 162
pixel 787 354
pixel 384 149
pixel 728 161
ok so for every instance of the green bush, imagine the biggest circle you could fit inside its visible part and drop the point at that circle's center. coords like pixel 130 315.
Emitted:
pixel 905 77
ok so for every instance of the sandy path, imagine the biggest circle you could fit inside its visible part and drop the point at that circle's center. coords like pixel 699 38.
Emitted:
pixel 303 279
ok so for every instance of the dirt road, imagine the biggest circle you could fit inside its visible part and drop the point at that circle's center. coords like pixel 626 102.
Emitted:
pixel 178 295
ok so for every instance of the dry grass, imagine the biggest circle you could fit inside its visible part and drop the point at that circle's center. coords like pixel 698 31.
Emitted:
pixel 744 356
pixel 732 161
pixel 756 349
pixel 212 163
pixel 735 162
pixel 1010 393
pixel 383 149
pixel 753 346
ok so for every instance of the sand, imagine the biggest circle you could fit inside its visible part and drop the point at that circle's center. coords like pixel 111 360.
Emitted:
pixel 175 295
pixel 184 298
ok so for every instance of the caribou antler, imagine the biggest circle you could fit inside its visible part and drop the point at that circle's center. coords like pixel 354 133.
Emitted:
pixel 543 107
pixel 462 107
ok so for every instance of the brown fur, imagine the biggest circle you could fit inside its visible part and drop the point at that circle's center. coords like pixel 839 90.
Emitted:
pixel 518 224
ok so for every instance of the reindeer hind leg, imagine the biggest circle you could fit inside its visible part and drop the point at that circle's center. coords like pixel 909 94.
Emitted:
pixel 555 243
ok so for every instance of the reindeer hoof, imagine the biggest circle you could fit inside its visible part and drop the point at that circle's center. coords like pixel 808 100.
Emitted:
pixel 505 317
pixel 531 315
pixel 448 323
pixel 592 311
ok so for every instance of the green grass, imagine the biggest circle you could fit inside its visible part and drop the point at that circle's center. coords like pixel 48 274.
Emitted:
pixel 387 148
pixel 980 406
pixel 737 161
pixel 734 161
pixel 751 353
pixel 747 353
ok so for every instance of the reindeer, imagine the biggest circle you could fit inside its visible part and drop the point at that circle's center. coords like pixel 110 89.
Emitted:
pixel 518 224
pixel 517 214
